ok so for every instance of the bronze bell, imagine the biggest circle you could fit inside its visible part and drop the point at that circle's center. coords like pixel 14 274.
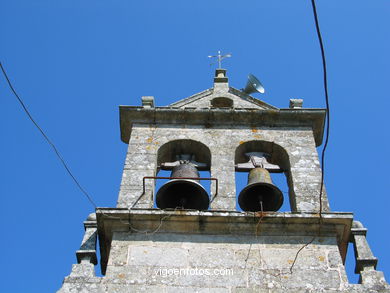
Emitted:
pixel 183 193
pixel 260 194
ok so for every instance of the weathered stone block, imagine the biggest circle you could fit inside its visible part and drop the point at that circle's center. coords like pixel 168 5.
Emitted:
pixel 312 279
pixel 158 256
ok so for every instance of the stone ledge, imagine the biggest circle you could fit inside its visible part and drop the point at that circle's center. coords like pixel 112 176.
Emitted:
pixel 219 223
pixel 313 118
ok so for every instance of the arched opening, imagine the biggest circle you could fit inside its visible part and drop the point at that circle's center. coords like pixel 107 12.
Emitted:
pixel 222 102
pixel 169 151
pixel 175 155
pixel 281 178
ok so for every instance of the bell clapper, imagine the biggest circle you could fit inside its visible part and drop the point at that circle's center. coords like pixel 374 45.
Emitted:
pixel 182 203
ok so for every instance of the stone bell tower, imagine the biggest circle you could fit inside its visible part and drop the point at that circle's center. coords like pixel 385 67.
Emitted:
pixel 182 237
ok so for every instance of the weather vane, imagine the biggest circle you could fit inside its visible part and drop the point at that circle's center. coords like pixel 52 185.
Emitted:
pixel 220 58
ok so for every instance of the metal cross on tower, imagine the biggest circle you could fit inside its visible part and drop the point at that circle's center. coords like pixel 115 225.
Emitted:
pixel 220 57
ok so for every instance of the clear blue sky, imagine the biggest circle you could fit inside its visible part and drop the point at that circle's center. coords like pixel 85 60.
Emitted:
pixel 73 62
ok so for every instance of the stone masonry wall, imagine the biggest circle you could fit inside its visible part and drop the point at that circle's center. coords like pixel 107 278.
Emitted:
pixel 223 261
pixel 219 263
pixel 145 140
pixel 230 258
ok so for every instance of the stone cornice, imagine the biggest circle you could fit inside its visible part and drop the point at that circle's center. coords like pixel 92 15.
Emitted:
pixel 212 117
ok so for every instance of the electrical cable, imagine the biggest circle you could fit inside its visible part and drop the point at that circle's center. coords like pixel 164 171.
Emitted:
pixel 325 81
pixel 64 163
pixel 46 138
pixel 326 101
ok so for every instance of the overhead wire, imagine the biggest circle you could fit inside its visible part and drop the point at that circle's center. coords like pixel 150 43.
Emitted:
pixel 87 195
pixel 327 117
pixel 326 101
pixel 46 137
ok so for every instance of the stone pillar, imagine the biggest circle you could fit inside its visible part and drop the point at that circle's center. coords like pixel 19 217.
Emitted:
pixel 141 160
pixel 222 168
pixel 305 179
pixel 221 84
pixel 84 271
pixel 365 260
pixel 87 251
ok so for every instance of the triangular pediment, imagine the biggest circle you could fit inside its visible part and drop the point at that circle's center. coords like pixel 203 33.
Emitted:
pixel 230 98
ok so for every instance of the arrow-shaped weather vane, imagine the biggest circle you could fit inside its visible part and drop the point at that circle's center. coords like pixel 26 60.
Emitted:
pixel 220 58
